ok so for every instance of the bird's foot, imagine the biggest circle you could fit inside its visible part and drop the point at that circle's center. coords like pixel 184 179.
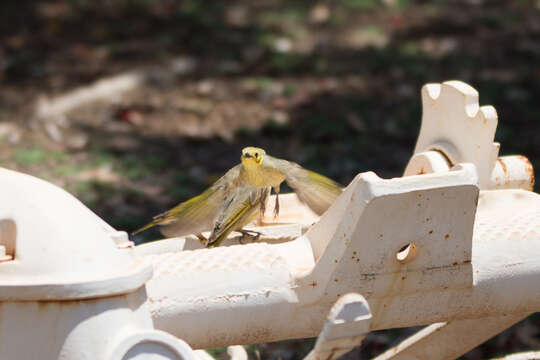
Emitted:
pixel 253 236
pixel 202 239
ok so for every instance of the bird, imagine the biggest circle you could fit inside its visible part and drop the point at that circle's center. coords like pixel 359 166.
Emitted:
pixel 243 205
pixel 239 196
pixel 262 170
pixel 199 213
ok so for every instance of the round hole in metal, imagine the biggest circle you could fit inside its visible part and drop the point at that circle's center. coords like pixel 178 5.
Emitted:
pixel 406 253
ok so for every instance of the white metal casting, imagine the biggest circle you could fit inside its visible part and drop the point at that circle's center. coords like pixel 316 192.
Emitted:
pixel 69 289
pixel 467 248
pixel 454 243
pixel 348 323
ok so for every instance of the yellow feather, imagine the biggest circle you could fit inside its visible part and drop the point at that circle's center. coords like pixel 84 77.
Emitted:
pixel 235 199
pixel 229 225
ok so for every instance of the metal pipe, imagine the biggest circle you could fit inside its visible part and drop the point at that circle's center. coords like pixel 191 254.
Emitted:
pixel 259 292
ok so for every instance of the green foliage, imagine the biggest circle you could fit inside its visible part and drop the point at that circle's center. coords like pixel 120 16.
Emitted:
pixel 217 352
pixel 68 169
pixel 30 156
pixel 35 155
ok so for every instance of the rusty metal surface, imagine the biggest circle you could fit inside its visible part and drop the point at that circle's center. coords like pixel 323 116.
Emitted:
pixel 454 124
pixel 240 303
pixel 512 172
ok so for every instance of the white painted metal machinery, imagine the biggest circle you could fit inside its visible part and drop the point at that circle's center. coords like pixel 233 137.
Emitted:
pixel 454 243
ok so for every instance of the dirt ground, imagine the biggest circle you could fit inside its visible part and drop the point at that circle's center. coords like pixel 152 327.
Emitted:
pixel 332 85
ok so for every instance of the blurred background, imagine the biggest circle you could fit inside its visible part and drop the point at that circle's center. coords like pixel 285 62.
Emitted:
pixel 136 105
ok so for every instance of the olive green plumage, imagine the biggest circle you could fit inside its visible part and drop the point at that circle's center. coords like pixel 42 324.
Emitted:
pixel 197 214
pixel 242 207
pixel 240 196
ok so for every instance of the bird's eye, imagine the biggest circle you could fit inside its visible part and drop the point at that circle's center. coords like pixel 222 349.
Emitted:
pixel 256 155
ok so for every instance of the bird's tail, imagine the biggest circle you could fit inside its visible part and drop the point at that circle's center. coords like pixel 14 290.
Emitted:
pixel 158 219
pixel 147 226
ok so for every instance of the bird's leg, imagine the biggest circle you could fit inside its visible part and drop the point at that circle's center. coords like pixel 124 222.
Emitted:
pixel 263 207
pixel 202 239
pixel 249 233
pixel 276 205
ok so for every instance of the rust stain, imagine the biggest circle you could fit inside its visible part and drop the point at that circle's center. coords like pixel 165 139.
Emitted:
pixel 503 166
pixel 454 263
pixel 529 169
pixel 403 277
pixel 354 252
pixel 421 172
pixel 313 284
pixel 335 261
pixel 446 237
pixel 430 232
pixel 336 280
pixel 467 261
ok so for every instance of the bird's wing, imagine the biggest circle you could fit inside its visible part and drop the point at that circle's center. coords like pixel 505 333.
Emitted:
pixel 196 214
pixel 315 190
pixel 239 209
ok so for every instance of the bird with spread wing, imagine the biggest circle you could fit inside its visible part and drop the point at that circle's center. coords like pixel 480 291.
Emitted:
pixel 240 196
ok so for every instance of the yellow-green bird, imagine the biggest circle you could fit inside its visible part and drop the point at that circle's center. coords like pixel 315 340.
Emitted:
pixel 244 205
pixel 240 195
pixel 262 170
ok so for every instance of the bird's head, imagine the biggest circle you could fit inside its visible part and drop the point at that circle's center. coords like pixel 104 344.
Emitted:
pixel 252 156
